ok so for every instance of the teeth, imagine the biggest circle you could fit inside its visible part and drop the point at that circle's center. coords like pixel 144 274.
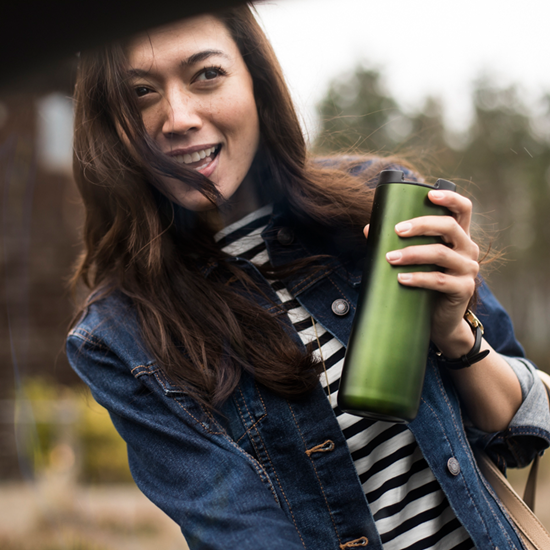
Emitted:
pixel 194 157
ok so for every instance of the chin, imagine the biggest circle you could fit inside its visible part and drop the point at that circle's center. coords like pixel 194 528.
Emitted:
pixel 187 196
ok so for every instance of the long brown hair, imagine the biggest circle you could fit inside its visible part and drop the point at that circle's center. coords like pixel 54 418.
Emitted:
pixel 201 331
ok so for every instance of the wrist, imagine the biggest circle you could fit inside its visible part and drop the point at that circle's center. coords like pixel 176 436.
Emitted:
pixel 459 342
pixel 474 354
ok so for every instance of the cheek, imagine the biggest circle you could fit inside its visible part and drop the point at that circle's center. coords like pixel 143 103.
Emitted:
pixel 240 118
pixel 150 120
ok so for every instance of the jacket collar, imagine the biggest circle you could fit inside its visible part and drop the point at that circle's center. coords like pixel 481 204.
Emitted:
pixel 287 240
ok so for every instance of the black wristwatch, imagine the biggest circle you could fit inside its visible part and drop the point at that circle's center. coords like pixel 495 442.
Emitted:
pixel 474 355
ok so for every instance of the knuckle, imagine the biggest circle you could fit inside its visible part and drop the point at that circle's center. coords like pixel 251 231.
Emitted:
pixel 470 287
pixel 452 225
pixel 440 279
pixel 467 202
pixel 411 254
pixel 442 252
pixel 448 221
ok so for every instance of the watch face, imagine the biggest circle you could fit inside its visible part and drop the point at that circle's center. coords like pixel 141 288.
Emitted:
pixel 473 321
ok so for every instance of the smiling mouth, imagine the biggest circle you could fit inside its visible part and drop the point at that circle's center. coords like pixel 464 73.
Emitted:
pixel 199 159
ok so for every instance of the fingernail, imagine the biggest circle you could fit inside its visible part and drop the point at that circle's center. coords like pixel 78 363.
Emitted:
pixel 393 256
pixel 404 277
pixel 436 194
pixel 403 227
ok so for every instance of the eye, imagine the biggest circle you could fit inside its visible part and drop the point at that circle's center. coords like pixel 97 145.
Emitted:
pixel 142 90
pixel 210 73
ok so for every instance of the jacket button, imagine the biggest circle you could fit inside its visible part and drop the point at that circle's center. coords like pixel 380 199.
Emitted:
pixel 340 307
pixel 285 236
pixel 453 466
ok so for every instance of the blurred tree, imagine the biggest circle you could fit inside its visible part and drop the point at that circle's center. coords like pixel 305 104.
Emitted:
pixel 358 115
pixel 427 143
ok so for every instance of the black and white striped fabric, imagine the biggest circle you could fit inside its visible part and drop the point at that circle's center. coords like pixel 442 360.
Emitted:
pixel 410 509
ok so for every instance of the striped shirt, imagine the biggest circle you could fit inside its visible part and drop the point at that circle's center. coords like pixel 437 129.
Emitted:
pixel 409 508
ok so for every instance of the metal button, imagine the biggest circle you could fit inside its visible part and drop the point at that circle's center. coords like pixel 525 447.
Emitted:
pixel 453 466
pixel 285 236
pixel 340 307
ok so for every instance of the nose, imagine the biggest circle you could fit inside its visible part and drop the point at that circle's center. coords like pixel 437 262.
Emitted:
pixel 181 113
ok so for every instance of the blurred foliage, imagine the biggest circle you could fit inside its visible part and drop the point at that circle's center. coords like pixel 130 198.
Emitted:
pixel 104 456
pixel 358 115
pixel 502 161
pixel 70 431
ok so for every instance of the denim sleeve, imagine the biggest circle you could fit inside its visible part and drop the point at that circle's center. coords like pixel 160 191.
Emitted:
pixel 188 466
pixel 528 433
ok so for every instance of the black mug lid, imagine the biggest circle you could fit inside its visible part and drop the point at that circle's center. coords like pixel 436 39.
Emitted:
pixel 397 176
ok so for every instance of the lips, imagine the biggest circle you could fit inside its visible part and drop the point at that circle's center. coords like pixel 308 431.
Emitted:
pixel 196 159
pixel 203 159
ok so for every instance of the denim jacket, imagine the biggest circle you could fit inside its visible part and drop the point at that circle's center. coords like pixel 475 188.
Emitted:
pixel 265 472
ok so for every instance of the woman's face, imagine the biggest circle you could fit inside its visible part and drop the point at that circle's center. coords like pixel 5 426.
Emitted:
pixel 197 102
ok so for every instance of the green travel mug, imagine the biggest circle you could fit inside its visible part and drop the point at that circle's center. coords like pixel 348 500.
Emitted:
pixel 385 361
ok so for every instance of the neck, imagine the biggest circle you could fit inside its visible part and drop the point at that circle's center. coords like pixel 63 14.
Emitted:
pixel 245 200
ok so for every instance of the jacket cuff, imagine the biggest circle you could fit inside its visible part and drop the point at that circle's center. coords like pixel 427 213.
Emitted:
pixel 534 410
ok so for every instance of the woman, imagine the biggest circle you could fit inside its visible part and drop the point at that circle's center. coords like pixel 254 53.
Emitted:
pixel 225 267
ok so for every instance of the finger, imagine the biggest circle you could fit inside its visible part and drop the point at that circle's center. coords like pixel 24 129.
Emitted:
pixel 459 289
pixel 445 227
pixel 452 261
pixel 366 230
pixel 460 206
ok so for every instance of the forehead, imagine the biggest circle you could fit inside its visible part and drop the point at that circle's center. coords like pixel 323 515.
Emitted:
pixel 181 39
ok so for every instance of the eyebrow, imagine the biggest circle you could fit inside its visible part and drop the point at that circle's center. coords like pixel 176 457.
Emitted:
pixel 191 60
pixel 201 56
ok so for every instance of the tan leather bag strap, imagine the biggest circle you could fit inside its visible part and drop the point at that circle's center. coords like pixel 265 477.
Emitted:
pixel 529 493
pixel 532 532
